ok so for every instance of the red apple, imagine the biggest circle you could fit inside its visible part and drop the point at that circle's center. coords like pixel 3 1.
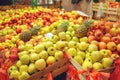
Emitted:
pixel 95 42
pixel 105 39
pixel 98 34
pixel 111 46
pixel 102 45
pixel 91 38
pixel 115 39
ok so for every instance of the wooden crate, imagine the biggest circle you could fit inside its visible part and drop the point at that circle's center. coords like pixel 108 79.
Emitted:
pixel 112 14
pixel 56 69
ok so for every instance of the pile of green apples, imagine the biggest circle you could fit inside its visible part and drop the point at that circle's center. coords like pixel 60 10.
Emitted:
pixel 42 51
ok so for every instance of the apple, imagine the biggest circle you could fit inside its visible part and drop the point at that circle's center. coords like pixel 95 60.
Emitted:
pixel 21 47
pixel 25 59
pixel 40 64
pixel 34 57
pixel 24 75
pixel 84 39
pixel 62 35
pixel 74 38
pixel 111 46
pixel 91 38
pixel 72 52
pixel 38 48
pixel 28 46
pixel 12 68
pixel 23 68
pixel 50 60
pixel 72 44
pixel 43 54
pixel 113 31
pixel 96 56
pixel 31 68
pixel 20 54
pixel 18 63
pixel 97 66
pixel 31 51
pixel 115 39
pixel 14 74
pixel 68 37
pixel 83 46
pixel 102 45
pixel 61 44
pixel 105 39
pixel 92 47
pixel 105 52
pixel 94 42
pixel 59 55
pixel 107 62
pixel 118 47
pixel 70 28
pixel 87 64
pixel 51 50
pixel 87 55
pixel 98 34
pixel 79 59
pixel 81 53
pixel 55 38
pixel 48 44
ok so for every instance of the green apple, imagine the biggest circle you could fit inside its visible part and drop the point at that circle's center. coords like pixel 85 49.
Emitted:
pixel 34 57
pixel 24 75
pixel 25 59
pixel 48 44
pixel 15 74
pixel 18 63
pixel 73 34
pixel 72 52
pixel 21 47
pixel 43 54
pixel 70 28
pixel 107 62
pixel 40 64
pixel 55 38
pixel 92 47
pixel 68 32
pixel 82 54
pixel 97 66
pixel 51 50
pixel 72 44
pixel 79 59
pixel 22 53
pixel 96 56
pixel 32 69
pixel 104 53
pixel 75 39
pixel 87 64
pixel 23 68
pixel 61 44
pixel 68 37
pixel 59 55
pixel 84 39
pixel 28 46
pixel 31 51
pixel 83 46
pixel 39 48
pixel 50 60
pixel 87 55
pixel 62 35
pixel 12 68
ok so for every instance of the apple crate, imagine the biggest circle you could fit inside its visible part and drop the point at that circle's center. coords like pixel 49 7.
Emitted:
pixel 95 6
pixel 55 69
pixel 112 14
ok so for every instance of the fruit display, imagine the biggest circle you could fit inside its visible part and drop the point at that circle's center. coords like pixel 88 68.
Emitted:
pixel 39 38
